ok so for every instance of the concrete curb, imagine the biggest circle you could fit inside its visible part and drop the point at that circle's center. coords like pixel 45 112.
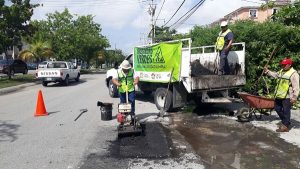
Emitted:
pixel 15 88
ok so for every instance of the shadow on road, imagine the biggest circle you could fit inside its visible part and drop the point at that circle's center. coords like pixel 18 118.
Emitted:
pixel 144 98
pixel 8 131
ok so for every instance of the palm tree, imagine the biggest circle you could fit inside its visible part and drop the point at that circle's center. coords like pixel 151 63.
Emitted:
pixel 38 51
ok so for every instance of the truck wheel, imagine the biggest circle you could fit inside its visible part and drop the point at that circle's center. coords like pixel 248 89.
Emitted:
pixel 44 83
pixel 77 78
pixel 160 99
pixel 244 115
pixel 66 81
pixel 112 89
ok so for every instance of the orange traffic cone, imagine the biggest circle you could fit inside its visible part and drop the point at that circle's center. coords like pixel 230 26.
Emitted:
pixel 40 106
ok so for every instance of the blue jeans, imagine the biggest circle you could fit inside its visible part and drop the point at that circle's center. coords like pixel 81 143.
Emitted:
pixel 283 109
pixel 131 99
pixel 224 65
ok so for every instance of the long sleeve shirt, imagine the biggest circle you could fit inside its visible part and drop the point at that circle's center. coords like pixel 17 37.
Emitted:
pixel 293 86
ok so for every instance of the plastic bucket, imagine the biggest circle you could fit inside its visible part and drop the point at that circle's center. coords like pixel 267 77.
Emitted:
pixel 106 111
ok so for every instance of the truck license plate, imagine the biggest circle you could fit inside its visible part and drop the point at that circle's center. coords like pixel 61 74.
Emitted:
pixel 49 78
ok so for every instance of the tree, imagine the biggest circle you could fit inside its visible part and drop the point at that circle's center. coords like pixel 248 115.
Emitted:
pixel 14 22
pixel 70 37
pixel 38 51
pixel 164 34
pixel 88 38
pixel 289 15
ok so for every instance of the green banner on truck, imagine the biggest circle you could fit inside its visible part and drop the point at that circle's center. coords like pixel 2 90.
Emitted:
pixel 155 63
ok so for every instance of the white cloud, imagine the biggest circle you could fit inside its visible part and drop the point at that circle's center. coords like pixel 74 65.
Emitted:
pixel 126 22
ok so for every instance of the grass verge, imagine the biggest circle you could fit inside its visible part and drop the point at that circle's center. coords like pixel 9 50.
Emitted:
pixel 16 80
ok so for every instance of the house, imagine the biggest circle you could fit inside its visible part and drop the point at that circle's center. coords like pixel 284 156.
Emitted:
pixel 255 13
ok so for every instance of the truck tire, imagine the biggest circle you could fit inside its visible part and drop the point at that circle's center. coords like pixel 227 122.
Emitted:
pixel 77 78
pixel 66 81
pixel 112 89
pixel 160 99
pixel 44 83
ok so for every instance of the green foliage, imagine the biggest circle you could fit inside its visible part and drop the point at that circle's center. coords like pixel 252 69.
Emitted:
pixel 289 15
pixel 14 22
pixel 17 80
pixel 164 34
pixel 70 37
pixel 114 57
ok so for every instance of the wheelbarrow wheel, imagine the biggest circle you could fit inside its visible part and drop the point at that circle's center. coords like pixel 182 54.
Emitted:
pixel 244 115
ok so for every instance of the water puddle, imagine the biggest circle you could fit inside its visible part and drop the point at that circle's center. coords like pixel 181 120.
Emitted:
pixel 228 144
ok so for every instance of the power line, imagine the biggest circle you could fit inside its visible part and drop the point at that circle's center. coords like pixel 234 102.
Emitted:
pixel 90 3
pixel 174 13
pixel 186 18
pixel 160 10
pixel 190 12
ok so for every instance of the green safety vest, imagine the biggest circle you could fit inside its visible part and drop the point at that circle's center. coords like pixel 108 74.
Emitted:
pixel 126 81
pixel 283 83
pixel 221 39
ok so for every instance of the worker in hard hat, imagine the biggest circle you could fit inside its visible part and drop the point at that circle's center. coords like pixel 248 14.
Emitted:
pixel 126 79
pixel 286 92
pixel 223 45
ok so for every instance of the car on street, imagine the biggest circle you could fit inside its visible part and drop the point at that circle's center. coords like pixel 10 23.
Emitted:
pixel 58 71
pixel 13 66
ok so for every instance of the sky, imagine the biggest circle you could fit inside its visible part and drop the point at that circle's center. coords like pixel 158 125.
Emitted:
pixel 126 23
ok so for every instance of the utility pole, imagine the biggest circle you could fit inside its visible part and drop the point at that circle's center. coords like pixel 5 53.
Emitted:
pixel 151 11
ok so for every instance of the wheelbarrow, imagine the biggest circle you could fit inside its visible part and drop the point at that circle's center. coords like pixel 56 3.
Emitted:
pixel 257 106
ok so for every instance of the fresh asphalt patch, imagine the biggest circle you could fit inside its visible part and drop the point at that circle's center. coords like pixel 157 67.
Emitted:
pixel 154 145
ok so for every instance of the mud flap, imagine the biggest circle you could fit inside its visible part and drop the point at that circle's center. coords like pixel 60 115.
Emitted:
pixel 179 95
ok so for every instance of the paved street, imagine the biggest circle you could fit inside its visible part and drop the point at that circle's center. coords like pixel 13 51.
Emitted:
pixel 54 141
pixel 58 142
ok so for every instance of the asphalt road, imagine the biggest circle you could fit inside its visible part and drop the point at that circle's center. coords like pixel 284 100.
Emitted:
pixel 57 141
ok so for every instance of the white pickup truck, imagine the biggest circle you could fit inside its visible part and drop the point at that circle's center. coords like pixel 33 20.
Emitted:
pixel 58 71
pixel 193 71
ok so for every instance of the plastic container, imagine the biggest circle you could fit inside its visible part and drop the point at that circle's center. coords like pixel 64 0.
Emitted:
pixel 106 111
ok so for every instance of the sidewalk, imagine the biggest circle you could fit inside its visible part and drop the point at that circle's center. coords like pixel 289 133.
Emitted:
pixel 7 90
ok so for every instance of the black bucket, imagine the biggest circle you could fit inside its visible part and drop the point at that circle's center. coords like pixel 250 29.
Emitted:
pixel 106 111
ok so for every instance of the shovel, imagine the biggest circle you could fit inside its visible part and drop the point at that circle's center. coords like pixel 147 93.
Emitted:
pixel 162 109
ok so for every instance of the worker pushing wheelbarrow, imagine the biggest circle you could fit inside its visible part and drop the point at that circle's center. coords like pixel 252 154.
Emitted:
pixel 286 94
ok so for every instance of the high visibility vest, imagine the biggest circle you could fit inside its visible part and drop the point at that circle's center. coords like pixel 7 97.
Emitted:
pixel 283 83
pixel 126 81
pixel 221 39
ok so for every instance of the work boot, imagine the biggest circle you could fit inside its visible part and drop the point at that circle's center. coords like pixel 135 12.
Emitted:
pixel 282 128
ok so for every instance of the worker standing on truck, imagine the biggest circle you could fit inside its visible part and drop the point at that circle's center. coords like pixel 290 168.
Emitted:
pixel 286 92
pixel 126 79
pixel 223 45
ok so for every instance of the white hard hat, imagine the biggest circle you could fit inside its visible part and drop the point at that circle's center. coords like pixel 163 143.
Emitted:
pixel 125 65
pixel 224 23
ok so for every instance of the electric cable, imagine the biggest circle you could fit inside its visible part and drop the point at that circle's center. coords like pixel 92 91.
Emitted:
pixel 186 18
pixel 193 8
pixel 160 10
pixel 174 13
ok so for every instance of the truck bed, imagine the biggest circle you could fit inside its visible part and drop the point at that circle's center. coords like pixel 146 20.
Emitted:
pixel 207 82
